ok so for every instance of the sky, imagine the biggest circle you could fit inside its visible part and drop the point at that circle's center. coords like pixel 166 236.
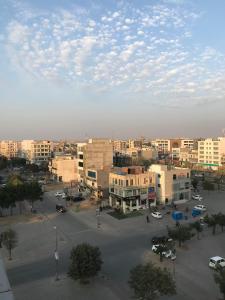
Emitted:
pixel 118 69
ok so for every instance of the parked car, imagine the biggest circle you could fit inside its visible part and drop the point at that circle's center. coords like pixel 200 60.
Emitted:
pixel 156 215
pixel 78 198
pixel 59 194
pixel 156 240
pixel 63 195
pixel 60 208
pixel 216 261
pixel 200 207
pixel 197 197
pixel 167 253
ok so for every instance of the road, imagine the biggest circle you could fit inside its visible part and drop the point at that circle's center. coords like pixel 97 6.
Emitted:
pixel 123 244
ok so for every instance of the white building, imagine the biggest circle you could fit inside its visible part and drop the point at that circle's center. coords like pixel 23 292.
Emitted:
pixel 211 152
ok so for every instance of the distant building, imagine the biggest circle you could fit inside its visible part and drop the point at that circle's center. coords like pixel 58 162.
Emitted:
pixel 131 188
pixel 9 149
pixel 172 183
pixel 211 152
pixel 162 145
pixel 121 160
pixel 98 182
pixel 135 143
pixel 120 146
pixel 36 152
pixel 64 168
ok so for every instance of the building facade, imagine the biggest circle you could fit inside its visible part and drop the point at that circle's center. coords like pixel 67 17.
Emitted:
pixel 211 152
pixel 64 168
pixel 9 149
pixel 131 188
pixel 172 184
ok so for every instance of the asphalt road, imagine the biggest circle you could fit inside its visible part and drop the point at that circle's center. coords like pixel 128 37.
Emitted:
pixel 123 245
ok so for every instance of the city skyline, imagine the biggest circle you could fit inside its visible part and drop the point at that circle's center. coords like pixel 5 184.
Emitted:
pixel 76 69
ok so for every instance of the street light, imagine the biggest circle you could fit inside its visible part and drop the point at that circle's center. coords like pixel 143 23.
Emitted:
pixel 56 255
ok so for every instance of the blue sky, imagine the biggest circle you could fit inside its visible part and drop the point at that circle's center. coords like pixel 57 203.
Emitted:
pixel 75 69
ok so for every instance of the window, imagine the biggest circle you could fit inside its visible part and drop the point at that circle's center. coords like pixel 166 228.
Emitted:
pixel 80 164
pixel 115 181
pixel 131 182
pixel 159 185
pixel 127 183
pixel 188 175
pixel 159 175
pixel 174 176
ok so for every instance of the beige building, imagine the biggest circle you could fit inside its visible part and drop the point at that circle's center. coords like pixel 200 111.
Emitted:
pixel 135 143
pixel 172 184
pixel 36 152
pixel 96 154
pixel 64 168
pixel 189 155
pixel 131 188
pixel 162 145
pixel 9 149
pixel 210 152
pixel 98 182
pixel 120 146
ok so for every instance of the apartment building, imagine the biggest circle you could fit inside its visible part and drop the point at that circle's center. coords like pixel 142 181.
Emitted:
pixel 187 143
pixel 135 143
pixel 64 168
pixel 172 184
pixel 162 145
pixel 95 155
pixel 36 152
pixel 98 182
pixel 131 188
pixel 120 146
pixel 9 149
pixel 211 152
pixel 188 155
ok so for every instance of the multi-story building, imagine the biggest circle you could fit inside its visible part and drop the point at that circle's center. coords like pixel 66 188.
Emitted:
pixel 187 143
pixel 64 168
pixel 162 145
pixel 36 152
pixel 9 149
pixel 188 155
pixel 120 146
pixel 210 152
pixel 172 184
pixel 95 155
pixel 131 188
pixel 135 143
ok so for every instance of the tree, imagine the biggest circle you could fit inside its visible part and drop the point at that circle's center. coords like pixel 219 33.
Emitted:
pixel 211 221
pixel 197 226
pixel 208 186
pixel 219 277
pixel 33 192
pixel 160 249
pixel 15 189
pixel 86 262
pixel 9 240
pixel 148 282
pixel 181 233
pixel 220 220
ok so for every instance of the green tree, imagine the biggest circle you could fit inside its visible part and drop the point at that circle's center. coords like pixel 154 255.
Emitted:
pixel 211 221
pixel 149 281
pixel 15 189
pixel 181 233
pixel 86 262
pixel 208 186
pixel 160 249
pixel 219 277
pixel 33 192
pixel 198 228
pixel 9 240
pixel 220 220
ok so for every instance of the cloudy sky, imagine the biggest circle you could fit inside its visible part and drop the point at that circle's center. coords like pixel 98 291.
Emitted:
pixel 80 68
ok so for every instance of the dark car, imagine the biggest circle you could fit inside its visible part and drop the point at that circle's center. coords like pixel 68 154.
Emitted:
pixel 156 240
pixel 60 208
pixel 78 198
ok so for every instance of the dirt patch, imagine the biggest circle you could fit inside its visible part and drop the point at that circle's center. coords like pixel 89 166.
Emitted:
pixel 25 218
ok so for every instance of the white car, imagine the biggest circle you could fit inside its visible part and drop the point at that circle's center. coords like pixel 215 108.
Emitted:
pixel 63 196
pixel 200 207
pixel 59 194
pixel 167 254
pixel 156 215
pixel 216 261
pixel 197 197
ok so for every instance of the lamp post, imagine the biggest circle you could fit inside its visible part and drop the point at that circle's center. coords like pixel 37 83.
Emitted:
pixel 56 254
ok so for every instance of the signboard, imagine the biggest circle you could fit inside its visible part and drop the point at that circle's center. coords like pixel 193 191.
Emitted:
pixel 151 193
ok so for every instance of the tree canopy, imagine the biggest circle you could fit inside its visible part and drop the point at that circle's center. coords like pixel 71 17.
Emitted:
pixel 148 282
